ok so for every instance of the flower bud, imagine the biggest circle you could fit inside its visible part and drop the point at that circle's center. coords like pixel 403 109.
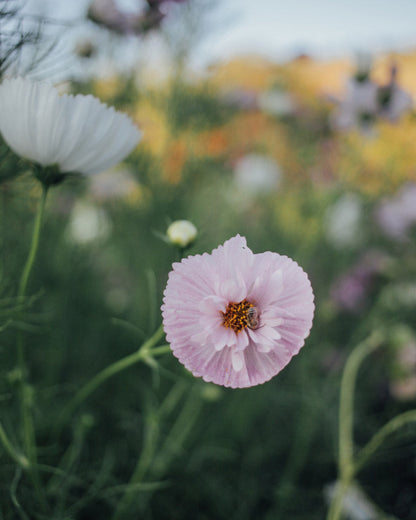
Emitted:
pixel 181 233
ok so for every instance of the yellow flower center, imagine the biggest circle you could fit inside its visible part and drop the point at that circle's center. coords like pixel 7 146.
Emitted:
pixel 235 315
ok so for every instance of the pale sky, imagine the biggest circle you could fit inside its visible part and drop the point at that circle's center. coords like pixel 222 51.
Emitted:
pixel 324 27
pixel 281 29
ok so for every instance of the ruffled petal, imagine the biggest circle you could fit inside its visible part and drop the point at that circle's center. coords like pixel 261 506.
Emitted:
pixel 200 287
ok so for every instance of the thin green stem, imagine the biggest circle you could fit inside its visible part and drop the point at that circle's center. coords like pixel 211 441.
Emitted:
pixel 35 242
pixel 180 430
pixel 161 460
pixel 346 422
pixel 346 407
pixel 151 436
pixel 22 288
pixel 25 390
pixel 146 350
pixel 377 440
pixel 20 459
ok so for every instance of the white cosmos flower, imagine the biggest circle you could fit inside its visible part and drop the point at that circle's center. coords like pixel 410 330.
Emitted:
pixel 71 133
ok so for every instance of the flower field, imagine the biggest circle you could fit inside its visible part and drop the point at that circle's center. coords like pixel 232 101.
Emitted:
pixel 208 289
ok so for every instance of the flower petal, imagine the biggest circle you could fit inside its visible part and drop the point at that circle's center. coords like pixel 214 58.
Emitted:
pixel 200 287
pixel 79 134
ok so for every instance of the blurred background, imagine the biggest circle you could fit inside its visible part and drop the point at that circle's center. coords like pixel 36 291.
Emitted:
pixel 291 123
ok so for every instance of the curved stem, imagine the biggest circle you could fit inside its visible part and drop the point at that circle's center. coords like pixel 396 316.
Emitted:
pixel 378 438
pixel 346 406
pixel 146 350
pixel 20 459
pixel 346 422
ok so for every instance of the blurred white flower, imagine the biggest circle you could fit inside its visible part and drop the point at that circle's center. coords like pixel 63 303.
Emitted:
pixel 358 109
pixel 276 102
pixel 356 505
pixel 343 221
pixel 181 233
pixel 88 223
pixel 67 134
pixel 257 174
pixel 397 215
pixel 112 184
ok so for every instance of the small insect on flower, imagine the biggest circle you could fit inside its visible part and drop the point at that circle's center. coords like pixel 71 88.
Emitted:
pixel 253 318
pixel 236 318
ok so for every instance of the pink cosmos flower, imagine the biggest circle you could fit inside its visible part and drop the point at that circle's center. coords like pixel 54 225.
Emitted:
pixel 236 318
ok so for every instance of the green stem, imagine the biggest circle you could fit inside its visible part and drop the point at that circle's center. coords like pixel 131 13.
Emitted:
pixel 346 407
pixel 35 242
pixel 20 459
pixel 25 391
pixel 160 461
pixel 346 422
pixel 146 350
pixel 149 446
pixel 377 440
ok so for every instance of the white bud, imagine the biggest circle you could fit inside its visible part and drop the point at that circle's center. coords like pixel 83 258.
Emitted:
pixel 181 233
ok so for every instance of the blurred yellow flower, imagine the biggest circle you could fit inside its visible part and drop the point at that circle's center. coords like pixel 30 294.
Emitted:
pixel 382 163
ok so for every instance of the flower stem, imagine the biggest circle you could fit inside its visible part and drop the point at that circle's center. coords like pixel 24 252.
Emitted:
pixel 158 462
pixel 377 440
pixel 35 242
pixel 346 407
pixel 346 468
pixel 20 459
pixel 146 350
pixel 25 390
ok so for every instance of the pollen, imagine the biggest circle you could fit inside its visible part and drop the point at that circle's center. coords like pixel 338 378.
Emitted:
pixel 235 315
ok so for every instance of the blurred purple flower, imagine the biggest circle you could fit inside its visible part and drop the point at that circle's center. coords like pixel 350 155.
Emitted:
pixel 364 101
pixel 239 98
pixel 107 14
pixel 157 3
pixel 392 100
pixel 350 290
pixel 397 215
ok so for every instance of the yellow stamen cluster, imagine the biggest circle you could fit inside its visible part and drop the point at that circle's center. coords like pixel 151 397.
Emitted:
pixel 235 316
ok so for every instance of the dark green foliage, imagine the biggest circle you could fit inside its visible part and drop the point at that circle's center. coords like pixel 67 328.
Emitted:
pixel 207 453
